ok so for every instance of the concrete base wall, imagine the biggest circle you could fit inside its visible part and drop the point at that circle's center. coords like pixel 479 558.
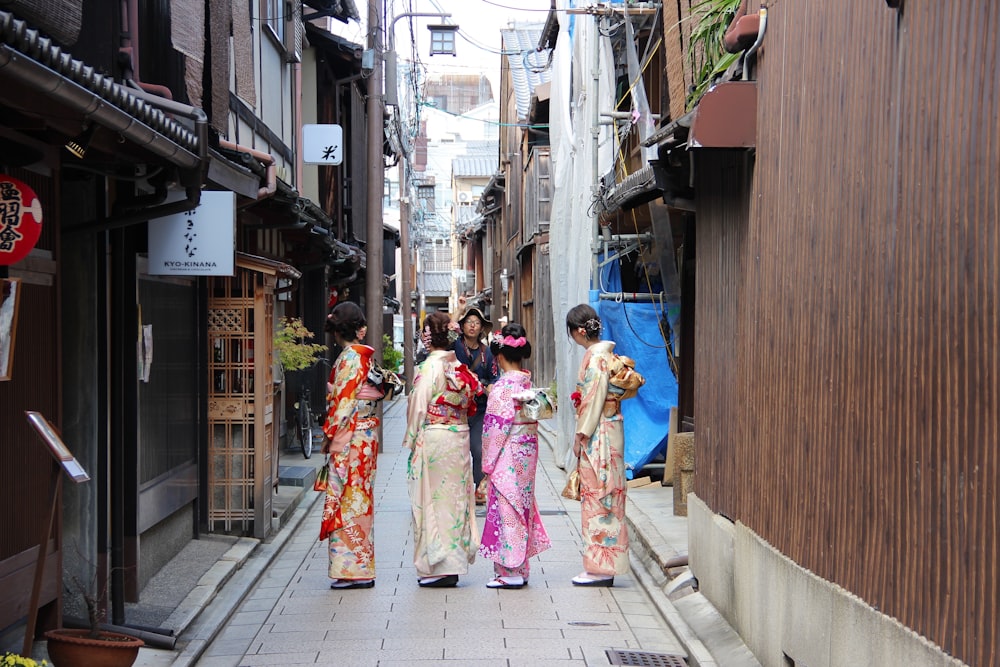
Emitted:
pixel 159 544
pixel 787 615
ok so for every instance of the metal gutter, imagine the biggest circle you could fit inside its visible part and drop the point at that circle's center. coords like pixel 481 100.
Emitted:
pixel 34 61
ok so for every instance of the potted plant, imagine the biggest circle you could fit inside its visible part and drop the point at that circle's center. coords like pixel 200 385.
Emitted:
pixel 91 647
pixel 14 660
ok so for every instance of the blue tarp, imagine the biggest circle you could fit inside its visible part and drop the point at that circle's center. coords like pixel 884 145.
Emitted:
pixel 635 329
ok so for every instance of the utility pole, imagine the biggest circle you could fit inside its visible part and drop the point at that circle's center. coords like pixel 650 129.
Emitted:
pixel 409 350
pixel 374 271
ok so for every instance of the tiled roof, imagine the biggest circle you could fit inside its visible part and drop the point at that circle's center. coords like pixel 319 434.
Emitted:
pixel 17 36
pixel 436 283
pixel 469 165
pixel 528 66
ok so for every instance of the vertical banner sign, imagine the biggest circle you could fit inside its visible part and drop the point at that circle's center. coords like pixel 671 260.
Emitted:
pixel 20 220
pixel 201 242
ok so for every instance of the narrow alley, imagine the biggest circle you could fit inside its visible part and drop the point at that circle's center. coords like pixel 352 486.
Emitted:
pixel 291 617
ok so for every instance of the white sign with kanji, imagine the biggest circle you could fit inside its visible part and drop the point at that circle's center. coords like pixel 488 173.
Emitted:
pixel 322 144
pixel 200 242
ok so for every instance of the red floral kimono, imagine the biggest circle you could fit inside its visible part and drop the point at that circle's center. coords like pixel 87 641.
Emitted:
pixel 352 427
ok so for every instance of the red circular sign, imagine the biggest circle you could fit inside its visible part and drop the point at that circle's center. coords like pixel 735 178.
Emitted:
pixel 20 220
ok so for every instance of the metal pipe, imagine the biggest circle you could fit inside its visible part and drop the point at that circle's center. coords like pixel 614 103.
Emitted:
pixel 271 174
pixel 757 42
pixel 374 270
pixel 595 163
pixel 118 221
pixel 38 77
pixel 153 639
pixel 633 297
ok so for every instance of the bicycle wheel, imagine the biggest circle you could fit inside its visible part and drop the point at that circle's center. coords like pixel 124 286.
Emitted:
pixel 304 427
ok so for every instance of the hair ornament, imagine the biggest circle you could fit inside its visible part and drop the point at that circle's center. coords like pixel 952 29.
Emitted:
pixel 510 341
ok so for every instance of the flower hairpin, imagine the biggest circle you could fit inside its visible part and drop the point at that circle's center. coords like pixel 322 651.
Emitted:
pixel 508 341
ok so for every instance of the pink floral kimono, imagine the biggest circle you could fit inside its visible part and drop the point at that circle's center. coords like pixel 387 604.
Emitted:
pixel 513 532
pixel 602 466
pixel 352 427
pixel 439 470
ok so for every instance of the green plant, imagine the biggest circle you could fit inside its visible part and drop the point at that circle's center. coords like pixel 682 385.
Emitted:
pixel 294 353
pixel 706 55
pixel 391 357
pixel 14 660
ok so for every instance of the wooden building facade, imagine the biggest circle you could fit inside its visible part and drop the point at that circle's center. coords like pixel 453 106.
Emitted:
pixel 846 373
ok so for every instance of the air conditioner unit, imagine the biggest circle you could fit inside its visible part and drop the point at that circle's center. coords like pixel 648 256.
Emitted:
pixel 463 196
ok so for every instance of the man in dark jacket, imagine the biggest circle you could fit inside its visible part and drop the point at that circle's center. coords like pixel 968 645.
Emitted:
pixel 472 350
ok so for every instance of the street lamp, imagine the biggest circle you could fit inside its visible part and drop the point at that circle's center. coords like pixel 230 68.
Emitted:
pixel 441 37
pixel 392 98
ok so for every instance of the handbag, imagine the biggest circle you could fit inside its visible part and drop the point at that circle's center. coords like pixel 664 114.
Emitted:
pixel 572 488
pixel 322 477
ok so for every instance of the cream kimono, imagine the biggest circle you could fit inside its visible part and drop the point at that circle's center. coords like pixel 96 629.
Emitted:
pixel 439 471
pixel 602 466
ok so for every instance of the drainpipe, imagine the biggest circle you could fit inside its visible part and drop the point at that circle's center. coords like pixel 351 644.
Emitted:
pixel 752 51
pixel 193 191
pixel 297 101
pixel 268 160
pixel 595 130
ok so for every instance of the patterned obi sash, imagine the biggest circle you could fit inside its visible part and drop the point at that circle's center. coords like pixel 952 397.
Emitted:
pixel 446 414
pixel 366 409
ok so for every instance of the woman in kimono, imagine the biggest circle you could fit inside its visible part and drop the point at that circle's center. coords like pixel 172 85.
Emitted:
pixel 600 444
pixel 351 429
pixel 439 470
pixel 513 532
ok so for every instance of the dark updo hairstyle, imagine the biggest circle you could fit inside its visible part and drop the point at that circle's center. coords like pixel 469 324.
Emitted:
pixel 438 323
pixel 586 317
pixel 345 319
pixel 510 352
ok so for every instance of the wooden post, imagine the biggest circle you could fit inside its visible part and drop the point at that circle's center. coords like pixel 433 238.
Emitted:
pixel 63 461
pixel 36 586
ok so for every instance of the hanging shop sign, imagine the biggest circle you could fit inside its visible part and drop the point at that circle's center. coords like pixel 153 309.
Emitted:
pixel 322 144
pixel 20 220
pixel 199 242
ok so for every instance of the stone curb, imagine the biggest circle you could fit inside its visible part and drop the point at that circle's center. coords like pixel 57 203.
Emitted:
pixel 649 555
pixel 209 619
pixel 210 584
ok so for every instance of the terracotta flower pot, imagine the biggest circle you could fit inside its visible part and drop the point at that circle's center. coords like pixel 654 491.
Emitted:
pixel 73 648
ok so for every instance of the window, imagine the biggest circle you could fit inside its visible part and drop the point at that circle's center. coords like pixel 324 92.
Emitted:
pixel 272 14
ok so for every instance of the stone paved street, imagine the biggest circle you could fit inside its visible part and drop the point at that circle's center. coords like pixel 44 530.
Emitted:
pixel 291 617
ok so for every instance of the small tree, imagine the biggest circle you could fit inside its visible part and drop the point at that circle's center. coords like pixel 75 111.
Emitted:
pixel 391 357
pixel 294 353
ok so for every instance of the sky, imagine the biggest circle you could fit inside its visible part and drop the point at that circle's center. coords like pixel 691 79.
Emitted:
pixel 478 41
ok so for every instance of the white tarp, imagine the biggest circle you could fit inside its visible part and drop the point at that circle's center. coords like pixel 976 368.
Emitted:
pixel 572 114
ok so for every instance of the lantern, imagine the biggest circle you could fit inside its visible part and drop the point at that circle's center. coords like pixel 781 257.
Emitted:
pixel 20 220
pixel 443 39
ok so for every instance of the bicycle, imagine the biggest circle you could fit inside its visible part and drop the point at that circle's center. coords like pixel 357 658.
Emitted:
pixel 304 419
pixel 303 416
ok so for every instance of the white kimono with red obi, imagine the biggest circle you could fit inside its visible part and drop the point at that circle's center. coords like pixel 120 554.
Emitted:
pixel 439 470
